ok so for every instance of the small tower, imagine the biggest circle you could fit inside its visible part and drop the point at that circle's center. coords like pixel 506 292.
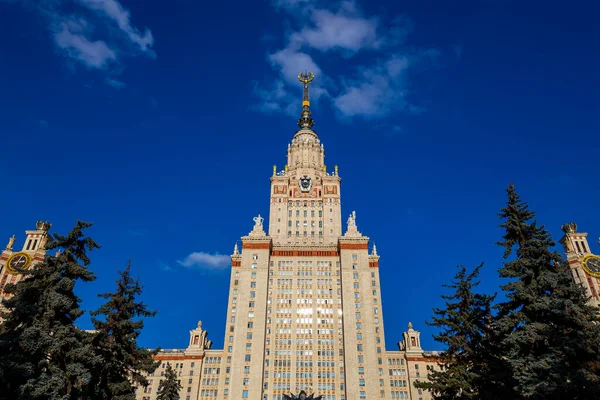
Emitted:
pixel 579 255
pixel 575 243
pixel 198 341
pixel 411 343
pixel 37 238
pixel 12 262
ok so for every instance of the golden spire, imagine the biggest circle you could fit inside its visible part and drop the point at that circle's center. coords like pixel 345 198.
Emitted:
pixel 305 120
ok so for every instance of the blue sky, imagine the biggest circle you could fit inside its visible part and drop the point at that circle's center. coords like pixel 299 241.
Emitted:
pixel 152 118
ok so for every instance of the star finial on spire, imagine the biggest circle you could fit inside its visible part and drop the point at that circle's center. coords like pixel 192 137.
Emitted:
pixel 305 120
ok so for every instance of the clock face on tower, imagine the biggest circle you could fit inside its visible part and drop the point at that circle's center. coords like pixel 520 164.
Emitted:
pixel 305 184
pixel 591 265
pixel 17 260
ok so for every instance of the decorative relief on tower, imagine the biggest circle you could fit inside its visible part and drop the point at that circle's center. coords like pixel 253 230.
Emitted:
pixel 280 189
pixel 313 193
pixel 331 189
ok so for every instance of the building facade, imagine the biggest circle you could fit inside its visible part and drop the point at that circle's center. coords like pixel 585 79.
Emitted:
pixel 585 266
pixel 33 251
pixel 304 308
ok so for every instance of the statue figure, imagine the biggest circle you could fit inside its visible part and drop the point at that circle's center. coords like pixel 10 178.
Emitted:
pixel 11 241
pixel 569 227
pixel 258 221
pixel 352 220
pixel 302 396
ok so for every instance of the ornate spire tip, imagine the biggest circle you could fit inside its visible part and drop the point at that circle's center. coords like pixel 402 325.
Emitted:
pixel 305 120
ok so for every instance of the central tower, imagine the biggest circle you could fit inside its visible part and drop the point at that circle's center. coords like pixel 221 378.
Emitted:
pixel 304 307
pixel 305 201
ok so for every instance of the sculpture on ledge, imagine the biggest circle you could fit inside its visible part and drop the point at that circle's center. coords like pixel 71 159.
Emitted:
pixel 302 396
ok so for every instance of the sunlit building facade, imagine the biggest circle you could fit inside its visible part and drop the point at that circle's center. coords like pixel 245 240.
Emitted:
pixel 305 309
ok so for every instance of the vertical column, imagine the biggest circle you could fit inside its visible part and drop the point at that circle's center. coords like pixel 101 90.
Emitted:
pixel 361 325
pixel 248 347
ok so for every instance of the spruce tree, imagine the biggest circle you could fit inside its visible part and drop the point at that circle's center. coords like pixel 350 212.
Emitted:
pixel 169 388
pixel 117 330
pixel 547 331
pixel 43 354
pixel 464 324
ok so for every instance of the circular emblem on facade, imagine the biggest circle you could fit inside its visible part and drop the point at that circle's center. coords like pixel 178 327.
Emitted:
pixel 591 265
pixel 18 260
pixel 305 184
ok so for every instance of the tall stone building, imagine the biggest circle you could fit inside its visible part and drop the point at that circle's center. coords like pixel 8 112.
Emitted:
pixel 305 309
pixel 585 266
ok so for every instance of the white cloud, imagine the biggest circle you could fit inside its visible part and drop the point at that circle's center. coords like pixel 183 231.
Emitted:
pixel 203 260
pixel 368 87
pixel 117 84
pixel 95 33
pixel 71 39
pixel 375 91
pixel 290 62
pixel 283 94
pixel 344 30
pixel 276 98
pixel 115 11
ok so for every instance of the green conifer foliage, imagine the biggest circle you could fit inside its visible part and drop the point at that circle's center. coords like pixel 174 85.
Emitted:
pixel 547 332
pixel 169 388
pixel 120 323
pixel 463 324
pixel 43 355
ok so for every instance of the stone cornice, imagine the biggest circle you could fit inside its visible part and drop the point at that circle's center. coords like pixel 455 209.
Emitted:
pixel 353 243
pixel 256 242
